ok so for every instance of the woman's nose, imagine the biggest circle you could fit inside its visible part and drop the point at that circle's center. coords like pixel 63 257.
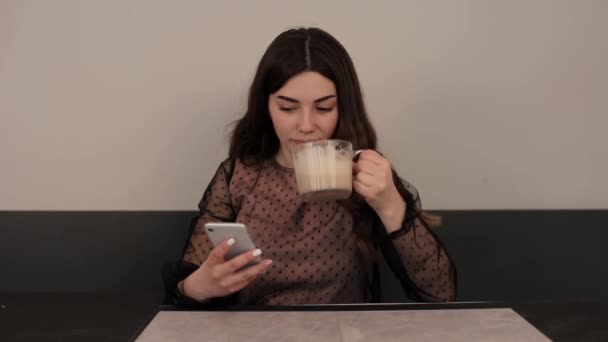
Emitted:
pixel 305 121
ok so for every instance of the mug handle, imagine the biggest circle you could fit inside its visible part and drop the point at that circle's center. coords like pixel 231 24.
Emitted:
pixel 356 155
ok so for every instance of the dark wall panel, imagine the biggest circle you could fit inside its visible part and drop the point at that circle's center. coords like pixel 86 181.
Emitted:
pixel 500 255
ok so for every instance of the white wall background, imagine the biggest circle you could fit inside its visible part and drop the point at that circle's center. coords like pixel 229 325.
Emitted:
pixel 123 105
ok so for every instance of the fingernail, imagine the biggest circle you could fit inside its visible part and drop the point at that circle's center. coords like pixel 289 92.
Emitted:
pixel 231 242
pixel 257 252
pixel 268 262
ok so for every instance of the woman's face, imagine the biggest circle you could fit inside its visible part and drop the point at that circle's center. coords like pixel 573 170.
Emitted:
pixel 304 109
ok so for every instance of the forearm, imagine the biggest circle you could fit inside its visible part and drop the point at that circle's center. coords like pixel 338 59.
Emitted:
pixel 427 264
pixel 173 275
pixel 188 288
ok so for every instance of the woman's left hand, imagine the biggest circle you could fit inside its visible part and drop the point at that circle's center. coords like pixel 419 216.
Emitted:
pixel 373 179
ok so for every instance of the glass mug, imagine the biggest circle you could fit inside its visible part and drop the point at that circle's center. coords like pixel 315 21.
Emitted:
pixel 324 169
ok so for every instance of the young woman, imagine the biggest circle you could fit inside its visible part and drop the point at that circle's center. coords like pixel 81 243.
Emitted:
pixel 306 89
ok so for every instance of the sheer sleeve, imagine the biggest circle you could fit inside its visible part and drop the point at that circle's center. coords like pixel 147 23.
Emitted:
pixel 417 256
pixel 215 206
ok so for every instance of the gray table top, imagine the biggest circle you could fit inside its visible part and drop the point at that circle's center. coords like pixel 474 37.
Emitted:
pixel 495 324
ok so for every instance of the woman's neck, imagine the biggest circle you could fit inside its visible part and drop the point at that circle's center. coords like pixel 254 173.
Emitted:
pixel 283 157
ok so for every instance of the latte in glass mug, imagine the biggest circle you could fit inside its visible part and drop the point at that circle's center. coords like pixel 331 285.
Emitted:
pixel 324 169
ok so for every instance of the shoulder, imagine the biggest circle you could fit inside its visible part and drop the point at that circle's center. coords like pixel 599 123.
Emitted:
pixel 409 187
pixel 407 190
pixel 227 165
pixel 232 166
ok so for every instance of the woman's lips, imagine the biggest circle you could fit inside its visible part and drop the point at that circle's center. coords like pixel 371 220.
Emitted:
pixel 300 141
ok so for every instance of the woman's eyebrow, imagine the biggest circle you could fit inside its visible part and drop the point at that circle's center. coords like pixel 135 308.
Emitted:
pixel 289 99
pixel 324 98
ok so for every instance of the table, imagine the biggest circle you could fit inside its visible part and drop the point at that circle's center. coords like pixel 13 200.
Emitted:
pixel 123 316
pixel 495 324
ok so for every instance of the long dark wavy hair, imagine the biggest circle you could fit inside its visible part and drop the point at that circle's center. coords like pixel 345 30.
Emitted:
pixel 294 51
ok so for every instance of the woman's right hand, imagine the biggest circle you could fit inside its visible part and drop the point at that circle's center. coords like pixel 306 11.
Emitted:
pixel 217 277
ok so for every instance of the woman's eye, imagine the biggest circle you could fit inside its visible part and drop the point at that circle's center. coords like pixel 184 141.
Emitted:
pixel 325 109
pixel 287 109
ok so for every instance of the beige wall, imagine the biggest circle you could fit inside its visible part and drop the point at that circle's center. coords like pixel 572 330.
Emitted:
pixel 123 104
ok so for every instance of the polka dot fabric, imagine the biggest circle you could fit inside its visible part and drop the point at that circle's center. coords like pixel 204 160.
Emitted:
pixel 314 253
pixel 310 244
pixel 427 263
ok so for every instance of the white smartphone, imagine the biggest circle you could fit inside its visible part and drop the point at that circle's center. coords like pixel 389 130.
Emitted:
pixel 221 231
